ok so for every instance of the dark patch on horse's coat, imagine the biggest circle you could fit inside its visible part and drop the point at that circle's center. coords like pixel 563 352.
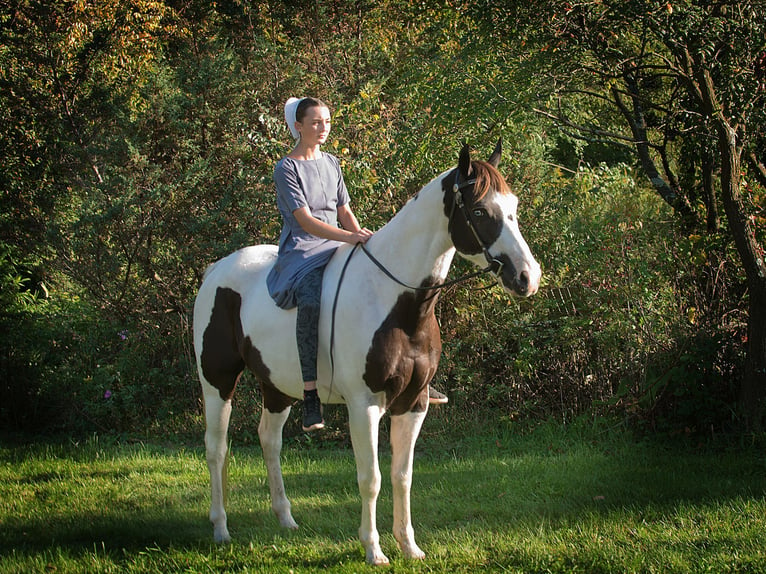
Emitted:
pixel 226 352
pixel 405 352
pixel 274 400
pixel 509 274
pixel 489 224
pixel 220 359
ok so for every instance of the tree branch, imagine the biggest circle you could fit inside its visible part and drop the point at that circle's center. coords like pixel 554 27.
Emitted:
pixel 757 167
pixel 563 120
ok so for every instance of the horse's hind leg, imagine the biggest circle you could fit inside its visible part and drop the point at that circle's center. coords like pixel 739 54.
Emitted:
pixel 270 433
pixel 217 414
pixel 404 431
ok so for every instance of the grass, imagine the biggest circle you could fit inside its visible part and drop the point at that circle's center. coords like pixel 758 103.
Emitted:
pixel 549 499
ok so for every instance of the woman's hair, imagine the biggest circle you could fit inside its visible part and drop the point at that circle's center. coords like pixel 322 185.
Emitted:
pixel 305 104
pixel 295 111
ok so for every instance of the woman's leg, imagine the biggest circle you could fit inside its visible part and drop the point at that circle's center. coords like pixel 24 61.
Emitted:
pixel 309 295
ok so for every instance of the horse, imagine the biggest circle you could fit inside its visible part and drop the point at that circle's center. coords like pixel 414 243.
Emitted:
pixel 379 337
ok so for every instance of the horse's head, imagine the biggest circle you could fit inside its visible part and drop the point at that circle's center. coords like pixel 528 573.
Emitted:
pixel 482 222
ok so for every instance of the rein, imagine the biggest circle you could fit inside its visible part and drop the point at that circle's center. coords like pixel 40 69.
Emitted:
pixel 494 265
pixel 387 273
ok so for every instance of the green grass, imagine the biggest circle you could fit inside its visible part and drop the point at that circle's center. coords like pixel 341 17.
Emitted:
pixel 550 499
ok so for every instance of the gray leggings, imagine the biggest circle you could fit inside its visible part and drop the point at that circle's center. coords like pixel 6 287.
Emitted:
pixel 308 294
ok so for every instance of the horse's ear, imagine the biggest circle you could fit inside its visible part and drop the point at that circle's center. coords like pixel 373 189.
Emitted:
pixel 464 164
pixel 494 159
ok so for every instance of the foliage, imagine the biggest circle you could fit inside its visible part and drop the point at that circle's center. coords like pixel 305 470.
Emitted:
pixel 67 369
pixel 684 84
pixel 138 142
pixel 615 326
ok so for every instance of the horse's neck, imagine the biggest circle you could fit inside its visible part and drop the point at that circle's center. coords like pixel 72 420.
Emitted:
pixel 415 244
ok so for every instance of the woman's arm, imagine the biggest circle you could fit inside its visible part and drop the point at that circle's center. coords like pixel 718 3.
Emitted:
pixel 347 218
pixel 352 232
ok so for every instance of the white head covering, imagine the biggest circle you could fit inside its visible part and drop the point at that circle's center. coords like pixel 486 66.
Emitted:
pixel 291 105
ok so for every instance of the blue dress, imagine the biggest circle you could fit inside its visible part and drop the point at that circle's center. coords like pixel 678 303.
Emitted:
pixel 317 184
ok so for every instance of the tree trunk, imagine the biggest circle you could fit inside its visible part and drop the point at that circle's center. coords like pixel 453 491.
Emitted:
pixel 755 371
pixel 757 168
pixel 741 226
pixel 753 388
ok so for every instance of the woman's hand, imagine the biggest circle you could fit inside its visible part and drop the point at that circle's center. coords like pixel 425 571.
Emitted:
pixel 360 236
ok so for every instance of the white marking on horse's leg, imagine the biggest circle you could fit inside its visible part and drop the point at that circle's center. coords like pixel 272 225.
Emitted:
pixel 270 433
pixel 404 432
pixel 364 421
pixel 217 413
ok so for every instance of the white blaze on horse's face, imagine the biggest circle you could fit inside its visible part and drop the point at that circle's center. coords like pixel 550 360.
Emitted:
pixel 520 273
pixel 485 230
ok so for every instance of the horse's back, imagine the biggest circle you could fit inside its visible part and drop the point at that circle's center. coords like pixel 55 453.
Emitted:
pixel 237 323
pixel 234 298
pixel 240 268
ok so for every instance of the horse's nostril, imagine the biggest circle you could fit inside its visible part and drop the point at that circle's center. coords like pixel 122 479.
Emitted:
pixel 523 280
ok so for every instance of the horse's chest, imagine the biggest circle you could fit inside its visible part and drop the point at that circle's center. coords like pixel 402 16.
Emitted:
pixel 404 355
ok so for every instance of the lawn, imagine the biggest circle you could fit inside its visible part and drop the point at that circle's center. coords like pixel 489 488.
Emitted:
pixel 549 499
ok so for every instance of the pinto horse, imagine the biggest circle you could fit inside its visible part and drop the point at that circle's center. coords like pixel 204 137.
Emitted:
pixel 379 338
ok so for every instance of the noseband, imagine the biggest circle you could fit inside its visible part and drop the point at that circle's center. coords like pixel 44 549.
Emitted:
pixel 494 265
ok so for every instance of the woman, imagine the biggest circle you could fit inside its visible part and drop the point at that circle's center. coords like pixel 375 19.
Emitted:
pixel 313 199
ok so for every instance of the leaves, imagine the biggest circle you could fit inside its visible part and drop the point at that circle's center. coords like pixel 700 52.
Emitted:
pixel 139 138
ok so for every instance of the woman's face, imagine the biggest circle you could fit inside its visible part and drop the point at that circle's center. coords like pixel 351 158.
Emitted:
pixel 315 126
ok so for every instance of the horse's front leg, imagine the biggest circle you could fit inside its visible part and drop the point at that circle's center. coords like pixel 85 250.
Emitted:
pixel 270 434
pixel 404 432
pixel 364 421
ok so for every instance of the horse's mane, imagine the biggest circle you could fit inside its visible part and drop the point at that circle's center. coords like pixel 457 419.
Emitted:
pixel 487 177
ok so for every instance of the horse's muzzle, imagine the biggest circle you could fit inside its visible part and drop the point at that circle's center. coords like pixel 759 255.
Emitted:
pixel 523 283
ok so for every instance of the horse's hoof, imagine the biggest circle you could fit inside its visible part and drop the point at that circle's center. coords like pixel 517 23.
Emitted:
pixel 381 560
pixel 221 536
pixel 289 523
pixel 412 552
pixel 376 558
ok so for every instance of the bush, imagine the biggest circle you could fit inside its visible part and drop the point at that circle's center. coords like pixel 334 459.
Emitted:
pixel 171 170
pixel 67 368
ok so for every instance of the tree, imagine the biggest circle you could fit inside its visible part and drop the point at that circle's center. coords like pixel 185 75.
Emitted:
pixel 65 67
pixel 716 56
pixel 687 79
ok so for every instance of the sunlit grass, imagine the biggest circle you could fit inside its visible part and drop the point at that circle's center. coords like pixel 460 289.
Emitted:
pixel 554 499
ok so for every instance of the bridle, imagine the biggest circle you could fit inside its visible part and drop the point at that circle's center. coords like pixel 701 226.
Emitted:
pixel 494 265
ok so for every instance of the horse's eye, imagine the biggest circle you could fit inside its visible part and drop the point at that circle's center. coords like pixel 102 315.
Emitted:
pixel 478 212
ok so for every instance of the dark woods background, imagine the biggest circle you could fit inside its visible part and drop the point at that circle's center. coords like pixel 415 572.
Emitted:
pixel 138 139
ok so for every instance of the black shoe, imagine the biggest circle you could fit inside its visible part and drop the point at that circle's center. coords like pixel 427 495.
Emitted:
pixel 312 411
pixel 435 397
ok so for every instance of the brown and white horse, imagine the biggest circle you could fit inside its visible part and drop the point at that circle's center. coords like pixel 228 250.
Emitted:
pixel 379 347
